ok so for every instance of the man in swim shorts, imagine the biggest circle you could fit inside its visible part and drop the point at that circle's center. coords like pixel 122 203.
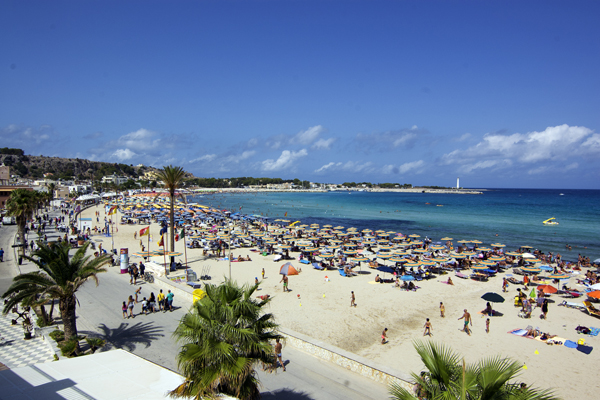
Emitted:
pixel 467 317
pixel 278 348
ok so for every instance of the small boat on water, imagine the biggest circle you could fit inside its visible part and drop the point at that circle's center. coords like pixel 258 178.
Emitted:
pixel 550 221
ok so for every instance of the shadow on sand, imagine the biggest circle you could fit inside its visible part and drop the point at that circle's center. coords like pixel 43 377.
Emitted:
pixel 127 336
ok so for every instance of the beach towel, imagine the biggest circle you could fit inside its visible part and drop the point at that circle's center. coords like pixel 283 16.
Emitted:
pixel 584 349
pixel 570 344
pixel 304 261
pixel 460 275
pixel 317 266
pixel 342 273
pixel 594 331
pixel 518 332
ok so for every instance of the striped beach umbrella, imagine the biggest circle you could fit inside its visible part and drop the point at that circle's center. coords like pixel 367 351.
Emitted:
pixel 412 264
pixel 445 239
pixel 479 267
pixel 559 276
pixel 531 270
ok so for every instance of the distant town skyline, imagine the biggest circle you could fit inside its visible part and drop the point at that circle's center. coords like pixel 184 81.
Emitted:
pixel 500 94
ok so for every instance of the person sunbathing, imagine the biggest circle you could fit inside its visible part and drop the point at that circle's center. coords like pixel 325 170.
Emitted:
pixel 411 286
pixel 240 258
pixel 450 281
pixel 248 258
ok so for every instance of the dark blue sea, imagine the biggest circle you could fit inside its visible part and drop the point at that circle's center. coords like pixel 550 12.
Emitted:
pixel 510 216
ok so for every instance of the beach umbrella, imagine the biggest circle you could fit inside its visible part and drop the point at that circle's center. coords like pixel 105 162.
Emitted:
pixel 493 297
pixel 547 289
pixel 359 258
pixel 546 268
pixel 479 267
pixel 437 247
pixel 350 252
pixel 339 227
pixel 420 251
pixel 439 260
pixel 385 247
pixel 496 258
pixel 407 278
pixel 288 269
pixel 531 270
pixel 488 263
pixel 326 255
pixel 170 253
pixel 559 276
pixel 412 264
pixel 414 235
pixel 484 249
pixel 513 254
pixel 497 245
pixel 595 294
pixel 398 259
pixel 445 239
pixel 147 254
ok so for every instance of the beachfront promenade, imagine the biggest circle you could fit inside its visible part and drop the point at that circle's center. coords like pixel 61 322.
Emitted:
pixel 150 336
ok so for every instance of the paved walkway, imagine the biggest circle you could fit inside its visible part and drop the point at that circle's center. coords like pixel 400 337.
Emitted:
pixel 17 352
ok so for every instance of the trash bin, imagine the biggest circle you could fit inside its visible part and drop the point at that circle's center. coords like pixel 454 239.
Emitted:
pixel 20 260
pixel 198 294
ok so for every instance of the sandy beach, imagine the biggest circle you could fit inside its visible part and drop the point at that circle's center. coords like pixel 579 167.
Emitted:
pixel 320 308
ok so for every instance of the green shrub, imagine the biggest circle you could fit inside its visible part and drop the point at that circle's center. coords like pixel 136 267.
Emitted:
pixel 57 335
pixel 95 343
pixel 68 347
pixel 41 323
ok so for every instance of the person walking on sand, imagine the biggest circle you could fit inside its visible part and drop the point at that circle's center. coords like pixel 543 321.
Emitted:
pixel 263 273
pixel 504 284
pixel 545 309
pixel 467 317
pixel 427 327
pixel 487 325
pixel 384 336
pixel 278 348
pixel 352 299
pixel 442 310
pixel 285 283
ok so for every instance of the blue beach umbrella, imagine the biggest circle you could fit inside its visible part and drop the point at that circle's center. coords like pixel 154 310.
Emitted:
pixel 407 278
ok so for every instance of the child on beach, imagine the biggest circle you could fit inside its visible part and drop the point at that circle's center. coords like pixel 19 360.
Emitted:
pixel 263 273
pixel 442 310
pixel 352 299
pixel 384 336
pixel 427 327
pixel 487 325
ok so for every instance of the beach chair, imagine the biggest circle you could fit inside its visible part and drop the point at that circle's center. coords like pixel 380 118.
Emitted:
pixel 591 309
pixel 342 273
pixel 317 266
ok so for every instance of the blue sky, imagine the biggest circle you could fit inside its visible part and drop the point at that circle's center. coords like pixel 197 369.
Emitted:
pixel 502 94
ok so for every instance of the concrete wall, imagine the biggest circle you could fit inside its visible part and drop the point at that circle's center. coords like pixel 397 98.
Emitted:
pixel 351 361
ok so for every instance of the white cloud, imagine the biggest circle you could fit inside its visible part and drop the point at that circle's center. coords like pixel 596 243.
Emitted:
pixel 387 141
pixel 123 154
pixel 308 136
pixel 328 166
pixel 462 137
pixel 572 166
pixel 556 143
pixel 323 144
pixel 205 158
pixel 404 168
pixel 141 140
pixel 285 160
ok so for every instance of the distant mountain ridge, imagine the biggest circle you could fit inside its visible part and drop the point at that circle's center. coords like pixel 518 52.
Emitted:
pixel 34 167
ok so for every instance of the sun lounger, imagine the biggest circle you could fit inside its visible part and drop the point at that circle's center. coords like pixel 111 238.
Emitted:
pixel 461 275
pixel 572 305
pixel 317 266
pixel 591 309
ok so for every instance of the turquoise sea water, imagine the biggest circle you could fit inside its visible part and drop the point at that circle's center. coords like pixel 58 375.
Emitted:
pixel 514 215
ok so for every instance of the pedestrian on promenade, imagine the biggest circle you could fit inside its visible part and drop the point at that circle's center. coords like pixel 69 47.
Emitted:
pixel 384 336
pixel 138 291
pixel 145 306
pixel 442 310
pixel 161 301
pixel 278 348
pixel 169 300
pixel 124 310
pixel 352 299
pixel 1 254
pixel 427 327
pixel 467 317
pixel 152 303
pixel 130 304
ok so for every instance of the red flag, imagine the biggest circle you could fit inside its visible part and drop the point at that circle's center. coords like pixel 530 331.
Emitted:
pixel 145 231
pixel 285 215
pixel 161 243
pixel 177 237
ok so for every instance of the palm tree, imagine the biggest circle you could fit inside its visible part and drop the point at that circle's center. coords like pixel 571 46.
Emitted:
pixel 172 179
pixel 446 376
pixel 21 204
pixel 59 278
pixel 225 335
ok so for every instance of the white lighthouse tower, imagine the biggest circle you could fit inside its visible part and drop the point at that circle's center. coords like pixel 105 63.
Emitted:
pixel 457 183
